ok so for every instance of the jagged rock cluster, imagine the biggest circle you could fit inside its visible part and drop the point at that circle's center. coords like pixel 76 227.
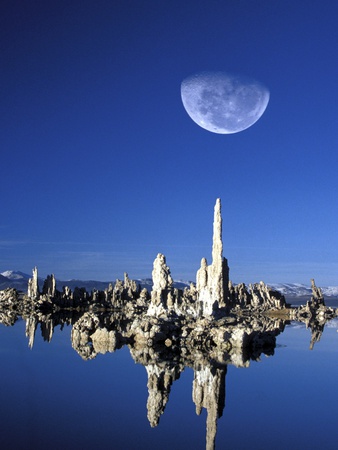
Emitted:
pixel 257 297
pixel 123 294
pixel 165 348
pixel 8 297
pixel 213 296
pixel 8 301
pixel 209 393
pixel 314 314
pixel 207 326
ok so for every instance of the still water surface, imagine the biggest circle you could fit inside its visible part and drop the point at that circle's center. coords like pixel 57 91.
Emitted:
pixel 52 398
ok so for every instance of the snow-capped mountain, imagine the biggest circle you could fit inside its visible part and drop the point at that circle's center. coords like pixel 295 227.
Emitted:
pixel 302 290
pixel 18 280
pixel 15 275
pixel 148 283
pixel 14 279
pixel 330 291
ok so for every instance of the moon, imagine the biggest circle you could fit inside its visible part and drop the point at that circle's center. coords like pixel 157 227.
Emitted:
pixel 223 103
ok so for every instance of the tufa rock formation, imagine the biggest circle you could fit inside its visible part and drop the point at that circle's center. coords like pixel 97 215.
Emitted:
pixel 49 286
pixel 212 281
pixel 166 346
pixel 213 297
pixel 205 327
pixel 162 300
pixel 209 393
pixel 160 379
pixel 33 286
pixel 163 314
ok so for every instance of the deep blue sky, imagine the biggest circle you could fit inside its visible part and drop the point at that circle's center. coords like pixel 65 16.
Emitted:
pixel 102 168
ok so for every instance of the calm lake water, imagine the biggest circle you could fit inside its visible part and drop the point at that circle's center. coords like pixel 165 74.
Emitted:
pixel 52 398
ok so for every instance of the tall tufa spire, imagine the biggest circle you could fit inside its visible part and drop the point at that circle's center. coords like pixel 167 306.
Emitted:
pixel 217 245
pixel 212 281
pixel 219 271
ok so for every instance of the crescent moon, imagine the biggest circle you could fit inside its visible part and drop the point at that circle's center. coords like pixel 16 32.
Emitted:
pixel 223 103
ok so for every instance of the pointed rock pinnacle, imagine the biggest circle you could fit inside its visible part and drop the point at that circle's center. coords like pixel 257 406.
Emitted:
pixel 217 245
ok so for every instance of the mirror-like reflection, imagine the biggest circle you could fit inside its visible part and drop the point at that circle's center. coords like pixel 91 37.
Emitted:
pixel 165 349
pixel 206 327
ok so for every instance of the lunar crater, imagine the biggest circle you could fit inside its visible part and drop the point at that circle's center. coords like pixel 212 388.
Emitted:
pixel 224 103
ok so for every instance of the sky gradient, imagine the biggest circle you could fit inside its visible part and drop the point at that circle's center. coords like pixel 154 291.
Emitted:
pixel 102 168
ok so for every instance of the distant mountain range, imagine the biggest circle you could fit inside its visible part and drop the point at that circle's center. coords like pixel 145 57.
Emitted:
pixel 19 280
pixel 302 290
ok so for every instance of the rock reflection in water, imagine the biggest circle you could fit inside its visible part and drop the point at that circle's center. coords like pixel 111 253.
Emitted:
pixel 207 347
pixel 206 327
pixel 165 359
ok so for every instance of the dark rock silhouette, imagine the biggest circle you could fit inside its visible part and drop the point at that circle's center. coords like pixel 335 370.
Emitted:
pixel 49 286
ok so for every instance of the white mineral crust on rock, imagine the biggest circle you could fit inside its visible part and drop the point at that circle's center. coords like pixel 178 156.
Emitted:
pixel 49 286
pixel 159 384
pixel 33 287
pixel 161 300
pixel 31 324
pixel 212 281
pixel 161 274
pixel 209 393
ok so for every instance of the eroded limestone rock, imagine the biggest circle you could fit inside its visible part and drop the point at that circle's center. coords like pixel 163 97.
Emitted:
pixel 31 324
pixel 212 281
pixel 104 341
pixel 209 393
pixel 160 380
pixel 9 297
pixel 81 331
pixel 314 314
pixel 317 295
pixel 49 286
pixel 33 286
pixel 162 299
pixel 263 297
